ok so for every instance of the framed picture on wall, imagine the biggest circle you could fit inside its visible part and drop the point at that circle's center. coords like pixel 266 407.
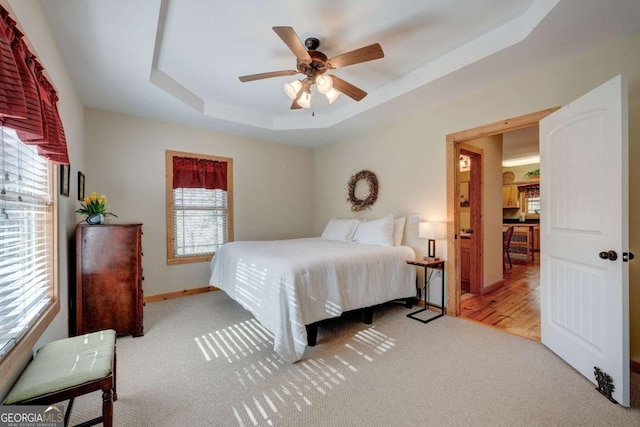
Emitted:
pixel 80 186
pixel 64 180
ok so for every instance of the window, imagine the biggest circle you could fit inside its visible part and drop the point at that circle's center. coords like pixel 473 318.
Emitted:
pixel 28 285
pixel 32 138
pixel 199 206
pixel 531 200
pixel 533 205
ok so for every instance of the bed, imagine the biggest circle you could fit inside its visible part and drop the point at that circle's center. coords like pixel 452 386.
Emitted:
pixel 291 284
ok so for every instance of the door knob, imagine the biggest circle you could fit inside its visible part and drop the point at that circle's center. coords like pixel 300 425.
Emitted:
pixel 611 255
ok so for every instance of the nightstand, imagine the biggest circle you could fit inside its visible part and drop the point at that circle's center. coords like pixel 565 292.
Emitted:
pixel 429 266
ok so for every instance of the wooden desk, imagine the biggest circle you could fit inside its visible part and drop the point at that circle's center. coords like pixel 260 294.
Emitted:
pixel 429 267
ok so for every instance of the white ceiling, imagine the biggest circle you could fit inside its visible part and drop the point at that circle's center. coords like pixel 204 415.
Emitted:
pixel 521 144
pixel 179 60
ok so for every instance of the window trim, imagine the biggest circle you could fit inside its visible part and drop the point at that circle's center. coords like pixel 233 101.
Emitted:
pixel 169 155
pixel 15 360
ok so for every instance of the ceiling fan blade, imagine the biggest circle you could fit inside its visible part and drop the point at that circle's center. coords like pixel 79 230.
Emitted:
pixel 291 39
pixel 294 105
pixel 364 54
pixel 348 89
pixel 253 77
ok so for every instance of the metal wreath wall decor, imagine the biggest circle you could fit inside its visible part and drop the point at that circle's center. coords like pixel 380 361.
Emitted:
pixel 357 204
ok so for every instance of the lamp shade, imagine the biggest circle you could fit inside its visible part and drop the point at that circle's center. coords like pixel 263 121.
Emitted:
pixel 424 230
pixel 332 95
pixel 305 100
pixel 432 230
pixel 292 89
pixel 324 84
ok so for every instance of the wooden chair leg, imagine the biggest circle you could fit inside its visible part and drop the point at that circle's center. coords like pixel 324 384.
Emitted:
pixel 107 408
pixel 67 414
pixel 115 364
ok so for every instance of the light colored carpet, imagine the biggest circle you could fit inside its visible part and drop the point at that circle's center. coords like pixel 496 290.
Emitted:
pixel 204 361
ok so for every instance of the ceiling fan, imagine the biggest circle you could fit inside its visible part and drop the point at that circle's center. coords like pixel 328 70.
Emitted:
pixel 314 64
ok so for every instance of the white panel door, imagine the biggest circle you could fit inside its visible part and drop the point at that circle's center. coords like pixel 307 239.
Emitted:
pixel 584 299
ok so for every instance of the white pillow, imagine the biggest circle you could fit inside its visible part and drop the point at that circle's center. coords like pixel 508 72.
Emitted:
pixel 340 229
pixel 398 231
pixel 375 232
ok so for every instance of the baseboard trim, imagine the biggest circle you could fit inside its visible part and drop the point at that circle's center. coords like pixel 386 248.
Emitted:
pixel 493 287
pixel 178 294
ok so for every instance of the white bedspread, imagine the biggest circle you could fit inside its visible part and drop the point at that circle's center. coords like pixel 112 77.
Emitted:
pixel 288 284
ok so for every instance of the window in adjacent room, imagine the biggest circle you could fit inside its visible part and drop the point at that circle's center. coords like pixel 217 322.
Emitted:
pixel 531 201
pixel 199 205
pixel 28 284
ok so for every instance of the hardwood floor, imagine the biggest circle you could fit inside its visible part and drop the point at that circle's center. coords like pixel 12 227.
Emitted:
pixel 514 308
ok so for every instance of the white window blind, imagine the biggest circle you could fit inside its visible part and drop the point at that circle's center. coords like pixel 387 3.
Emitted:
pixel 200 221
pixel 533 205
pixel 26 236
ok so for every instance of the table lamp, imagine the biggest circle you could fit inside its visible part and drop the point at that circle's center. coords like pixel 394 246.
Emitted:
pixel 433 231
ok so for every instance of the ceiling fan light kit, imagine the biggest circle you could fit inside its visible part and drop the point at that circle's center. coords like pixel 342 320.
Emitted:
pixel 313 64
pixel 324 84
pixel 292 89
pixel 304 100
pixel 332 95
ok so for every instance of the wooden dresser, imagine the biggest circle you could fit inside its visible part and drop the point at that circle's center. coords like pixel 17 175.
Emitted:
pixel 108 291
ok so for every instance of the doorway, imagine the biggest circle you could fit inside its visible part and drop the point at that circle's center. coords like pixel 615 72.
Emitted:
pixel 513 306
pixel 454 144
pixel 470 217
pixel 596 126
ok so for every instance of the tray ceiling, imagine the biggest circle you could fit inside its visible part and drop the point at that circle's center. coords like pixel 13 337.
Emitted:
pixel 179 60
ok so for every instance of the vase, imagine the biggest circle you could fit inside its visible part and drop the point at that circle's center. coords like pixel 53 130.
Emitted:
pixel 95 219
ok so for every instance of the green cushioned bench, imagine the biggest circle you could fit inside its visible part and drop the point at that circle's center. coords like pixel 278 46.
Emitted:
pixel 68 368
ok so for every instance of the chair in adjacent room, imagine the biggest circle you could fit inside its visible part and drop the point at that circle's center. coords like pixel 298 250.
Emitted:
pixel 506 245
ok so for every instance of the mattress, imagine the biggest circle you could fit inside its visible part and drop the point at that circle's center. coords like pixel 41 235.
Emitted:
pixel 287 284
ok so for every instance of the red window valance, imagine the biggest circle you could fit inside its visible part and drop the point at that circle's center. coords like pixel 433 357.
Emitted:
pixel 28 101
pixel 199 173
pixel 532 191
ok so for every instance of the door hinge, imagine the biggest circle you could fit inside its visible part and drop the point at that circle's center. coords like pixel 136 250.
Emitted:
pixel 627 256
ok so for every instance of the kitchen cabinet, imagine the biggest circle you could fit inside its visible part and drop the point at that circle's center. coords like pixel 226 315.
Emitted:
pixel 510 196
pixel 536 238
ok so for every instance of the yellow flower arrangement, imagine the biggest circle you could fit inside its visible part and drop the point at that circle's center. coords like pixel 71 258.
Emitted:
pixel 95 204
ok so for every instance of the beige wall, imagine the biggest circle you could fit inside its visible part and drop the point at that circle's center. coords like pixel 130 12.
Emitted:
pixel 409 156
pixel 31 20
pixel 520 171
pixel 125 160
